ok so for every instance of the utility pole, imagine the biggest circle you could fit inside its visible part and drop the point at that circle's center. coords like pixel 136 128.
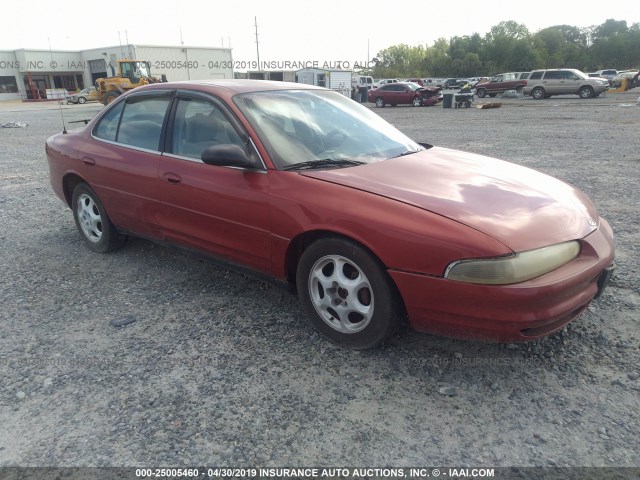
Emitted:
pixel 257 43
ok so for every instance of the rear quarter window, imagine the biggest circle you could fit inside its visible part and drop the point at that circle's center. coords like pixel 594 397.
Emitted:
pixel 536 76
pixel 107 127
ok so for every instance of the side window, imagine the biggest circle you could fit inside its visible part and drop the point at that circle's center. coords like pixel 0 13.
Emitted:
pixel 107 127
pixel 536 76
pixel 200 124
pixel 553 75
pixel 141 123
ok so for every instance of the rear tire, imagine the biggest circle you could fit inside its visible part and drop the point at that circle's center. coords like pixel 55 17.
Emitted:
pixel 538 93
pixel 82 100
pixel 346 293
pixel 92 221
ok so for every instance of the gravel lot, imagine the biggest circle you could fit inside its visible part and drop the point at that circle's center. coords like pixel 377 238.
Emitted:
pixel 219 369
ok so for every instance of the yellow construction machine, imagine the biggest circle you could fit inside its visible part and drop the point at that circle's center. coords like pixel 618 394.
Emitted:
pixel 130 74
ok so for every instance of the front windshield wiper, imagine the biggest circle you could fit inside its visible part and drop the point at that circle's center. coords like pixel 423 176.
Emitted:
pixel 325 162
pixel 408 152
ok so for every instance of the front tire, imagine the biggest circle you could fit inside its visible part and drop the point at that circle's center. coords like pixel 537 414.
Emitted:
pixel 347 294
pixel 417 102
pixel 92 221
pixel 481 92
pixel 586 92
pixel 82 100
pixel 110 97
pixel 379 102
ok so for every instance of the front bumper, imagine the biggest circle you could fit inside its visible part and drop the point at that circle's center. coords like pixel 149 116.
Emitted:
pixel 510 313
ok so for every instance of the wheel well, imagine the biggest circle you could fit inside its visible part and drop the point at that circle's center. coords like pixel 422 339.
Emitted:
pixel 298 245
pixel 69 183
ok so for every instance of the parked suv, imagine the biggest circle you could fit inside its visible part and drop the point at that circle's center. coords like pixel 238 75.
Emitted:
pixel 563 81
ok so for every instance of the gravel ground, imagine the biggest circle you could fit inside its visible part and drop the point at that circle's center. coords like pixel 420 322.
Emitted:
pixel 221 369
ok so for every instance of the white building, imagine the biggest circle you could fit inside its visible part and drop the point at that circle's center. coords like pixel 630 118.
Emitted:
pixel 333 79
pixel 27 74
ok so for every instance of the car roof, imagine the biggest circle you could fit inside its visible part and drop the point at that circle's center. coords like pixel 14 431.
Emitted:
pixel 232 85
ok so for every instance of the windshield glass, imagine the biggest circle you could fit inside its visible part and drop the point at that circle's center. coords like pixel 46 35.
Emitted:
pixel 143 69
pixel 299 126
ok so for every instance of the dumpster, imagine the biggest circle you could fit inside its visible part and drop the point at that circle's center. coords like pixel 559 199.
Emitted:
pixel 447 100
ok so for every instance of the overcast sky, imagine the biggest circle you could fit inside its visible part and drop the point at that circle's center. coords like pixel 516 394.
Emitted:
pixel 288 30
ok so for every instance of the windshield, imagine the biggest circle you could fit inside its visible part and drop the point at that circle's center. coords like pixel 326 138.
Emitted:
pixel 302 126
pixel 143 69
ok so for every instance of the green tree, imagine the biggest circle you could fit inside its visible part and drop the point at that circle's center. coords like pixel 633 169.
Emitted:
pixel 399 61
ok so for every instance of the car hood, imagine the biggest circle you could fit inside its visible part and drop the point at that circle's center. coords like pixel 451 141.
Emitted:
pixel 522 208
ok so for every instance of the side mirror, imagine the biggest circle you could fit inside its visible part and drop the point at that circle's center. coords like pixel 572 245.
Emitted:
pixel 227 155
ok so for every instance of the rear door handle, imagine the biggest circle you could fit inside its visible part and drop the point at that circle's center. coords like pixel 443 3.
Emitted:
pixel 89 161
pixel 172 178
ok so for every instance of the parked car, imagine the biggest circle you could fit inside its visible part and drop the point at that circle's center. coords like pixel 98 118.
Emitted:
pixel 314 190
pixel 417 81
pixel 609 74
pixel 563 81
pixel 453 82
pixel 385 81
pixel 400 93
pixel 432 82
pixel 89 94
pixel 500 84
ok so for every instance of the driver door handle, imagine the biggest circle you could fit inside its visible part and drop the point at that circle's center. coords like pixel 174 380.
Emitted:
pixel 172 178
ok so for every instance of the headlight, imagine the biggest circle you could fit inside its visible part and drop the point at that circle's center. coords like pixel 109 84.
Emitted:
pixel 514 268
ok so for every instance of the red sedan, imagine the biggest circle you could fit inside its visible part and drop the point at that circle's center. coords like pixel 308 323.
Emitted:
pixel 399 93
pixel 303 185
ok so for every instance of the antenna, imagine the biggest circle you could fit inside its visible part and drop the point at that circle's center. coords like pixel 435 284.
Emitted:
pixel 64 127
pixel 257 43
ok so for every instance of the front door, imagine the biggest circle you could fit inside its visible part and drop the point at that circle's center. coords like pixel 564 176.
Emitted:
pixel 223 210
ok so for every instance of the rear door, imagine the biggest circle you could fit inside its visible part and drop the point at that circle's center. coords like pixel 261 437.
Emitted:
pixel 122 162
pixel 553 82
